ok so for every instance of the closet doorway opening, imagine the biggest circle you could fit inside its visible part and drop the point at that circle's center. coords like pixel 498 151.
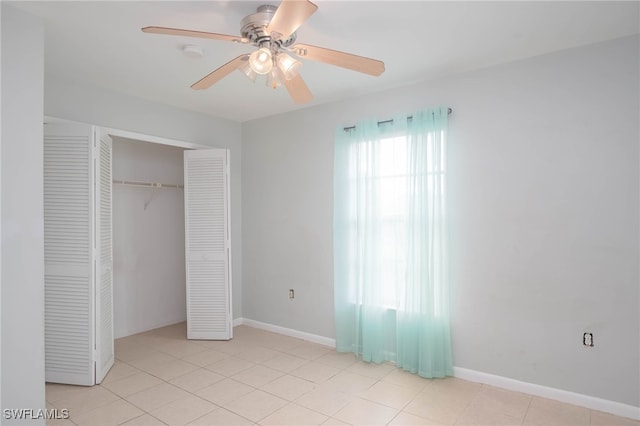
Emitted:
pixel 148 236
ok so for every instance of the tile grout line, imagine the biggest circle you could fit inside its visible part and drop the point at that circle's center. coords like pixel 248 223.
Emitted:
pixel 524 418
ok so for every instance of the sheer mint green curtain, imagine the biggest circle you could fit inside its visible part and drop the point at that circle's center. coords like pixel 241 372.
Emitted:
pixel 390 243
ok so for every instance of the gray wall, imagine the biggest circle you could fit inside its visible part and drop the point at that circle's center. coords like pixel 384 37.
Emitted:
pixel 149 287
pixel 544 192
pixel 22 213
pixel 90 104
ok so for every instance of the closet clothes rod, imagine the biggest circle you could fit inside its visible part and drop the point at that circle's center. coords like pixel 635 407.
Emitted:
pixel 346 129
pixel 147 184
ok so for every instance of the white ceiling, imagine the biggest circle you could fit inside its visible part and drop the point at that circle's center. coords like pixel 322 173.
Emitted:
pixel 100 43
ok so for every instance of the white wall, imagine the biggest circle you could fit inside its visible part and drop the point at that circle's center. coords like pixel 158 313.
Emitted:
pixel 148 235
pixel 1 405
pixel 22 213
pixel 544 190
pixel 89 104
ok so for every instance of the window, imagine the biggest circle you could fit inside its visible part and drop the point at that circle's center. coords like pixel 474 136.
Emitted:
pixel 382 176
pixel 390 246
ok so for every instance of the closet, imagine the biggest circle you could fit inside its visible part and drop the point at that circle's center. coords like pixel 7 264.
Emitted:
pixel 78 185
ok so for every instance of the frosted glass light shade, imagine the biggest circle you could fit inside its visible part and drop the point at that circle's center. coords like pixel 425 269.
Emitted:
pixel 289 66
pixel 248 71
pixel 261 61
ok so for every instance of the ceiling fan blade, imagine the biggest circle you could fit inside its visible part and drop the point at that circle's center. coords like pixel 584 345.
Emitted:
pixel 298 90
pixel 340 59
pixel 288 18
pixel 217 75
pixel 192 33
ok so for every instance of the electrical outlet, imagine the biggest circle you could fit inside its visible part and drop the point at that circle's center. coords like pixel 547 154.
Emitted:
pixel 291 294
pixel 587 339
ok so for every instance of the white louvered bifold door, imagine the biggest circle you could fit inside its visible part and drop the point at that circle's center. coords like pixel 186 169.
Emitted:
pixel 68 254
pixel 104 257
pixel 206 192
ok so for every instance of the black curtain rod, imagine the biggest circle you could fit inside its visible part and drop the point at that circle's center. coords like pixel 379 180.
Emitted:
pixel 449 111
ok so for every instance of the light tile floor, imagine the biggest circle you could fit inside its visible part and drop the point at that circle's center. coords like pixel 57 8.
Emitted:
pixel 262 378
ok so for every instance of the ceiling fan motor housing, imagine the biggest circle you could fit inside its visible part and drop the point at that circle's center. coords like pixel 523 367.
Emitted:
pixel 254 28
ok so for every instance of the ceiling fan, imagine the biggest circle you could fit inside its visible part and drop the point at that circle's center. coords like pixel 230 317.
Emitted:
pixel 272 29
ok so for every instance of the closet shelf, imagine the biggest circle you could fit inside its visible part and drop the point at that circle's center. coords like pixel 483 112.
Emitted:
pixel 146 184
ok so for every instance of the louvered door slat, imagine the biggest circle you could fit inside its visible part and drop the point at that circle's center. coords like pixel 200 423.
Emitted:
pixel 207 245
pixel 68 260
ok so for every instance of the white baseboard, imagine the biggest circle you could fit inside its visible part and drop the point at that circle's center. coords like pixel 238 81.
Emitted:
pixel 591 402
pixel 321 340
pixel 137 329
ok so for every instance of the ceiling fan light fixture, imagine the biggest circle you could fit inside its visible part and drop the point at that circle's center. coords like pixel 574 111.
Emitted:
pixel 289 66
pixel 248 71
pixel 261 61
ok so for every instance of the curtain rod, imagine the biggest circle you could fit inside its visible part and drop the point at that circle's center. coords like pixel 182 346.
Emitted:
pixel 449 111
pixel 147 184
